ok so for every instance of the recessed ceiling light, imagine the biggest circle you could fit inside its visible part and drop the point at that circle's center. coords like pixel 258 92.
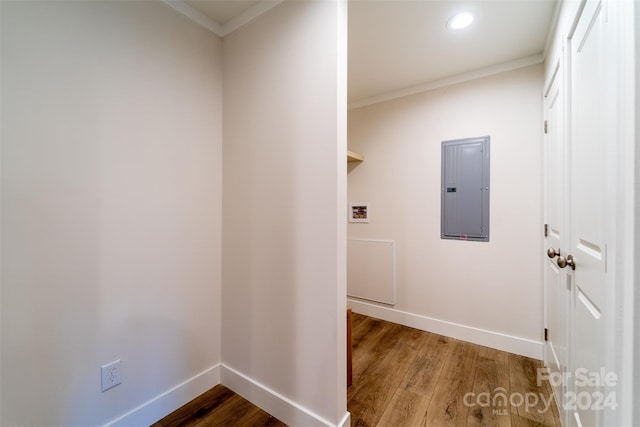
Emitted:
pixel 460 21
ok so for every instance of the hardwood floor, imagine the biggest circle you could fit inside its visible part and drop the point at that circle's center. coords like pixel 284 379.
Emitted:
pixel 219 407
pixel 406 377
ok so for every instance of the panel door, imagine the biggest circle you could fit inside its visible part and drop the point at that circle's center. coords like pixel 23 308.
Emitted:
pixel 588 244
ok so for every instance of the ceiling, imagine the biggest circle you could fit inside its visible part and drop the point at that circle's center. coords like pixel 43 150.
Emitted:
pixel 399 44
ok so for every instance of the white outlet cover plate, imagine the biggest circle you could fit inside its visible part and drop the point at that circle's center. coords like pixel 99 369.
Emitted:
pixel 111 374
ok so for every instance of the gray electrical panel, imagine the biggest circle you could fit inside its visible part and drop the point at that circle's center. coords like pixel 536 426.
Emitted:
pixel 465 189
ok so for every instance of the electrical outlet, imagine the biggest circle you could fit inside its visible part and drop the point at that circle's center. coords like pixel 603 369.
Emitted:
pixel 111 374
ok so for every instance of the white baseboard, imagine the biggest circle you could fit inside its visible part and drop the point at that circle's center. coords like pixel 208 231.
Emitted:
pixel 164 404
pixel 275 404
pixel 512 344
pixel 284 409
pixel 291 412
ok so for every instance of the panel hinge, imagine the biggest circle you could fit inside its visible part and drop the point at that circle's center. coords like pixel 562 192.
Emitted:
pixel 546 334
pixel 546 230
pixel 546 126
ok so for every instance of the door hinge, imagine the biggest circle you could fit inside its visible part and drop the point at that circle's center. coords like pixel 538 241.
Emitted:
pixel 546 334
pixel 546 230
pixel 546 126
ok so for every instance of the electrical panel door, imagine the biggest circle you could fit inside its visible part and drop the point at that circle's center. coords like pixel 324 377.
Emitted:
pixel 465 189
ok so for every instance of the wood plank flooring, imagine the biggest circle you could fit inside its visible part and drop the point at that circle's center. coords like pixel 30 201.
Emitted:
pixel 403 377
pixel 219 407
pixel 406 377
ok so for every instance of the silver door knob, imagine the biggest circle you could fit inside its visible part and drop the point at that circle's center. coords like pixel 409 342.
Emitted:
pixel 552 253
pixel 563 262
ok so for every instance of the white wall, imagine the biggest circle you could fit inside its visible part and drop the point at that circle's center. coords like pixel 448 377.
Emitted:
pixel 636 325
pixel 284 228
pixel 489 293
pixel 111 194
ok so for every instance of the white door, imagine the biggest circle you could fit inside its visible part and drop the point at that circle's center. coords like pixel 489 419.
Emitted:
pixel 587 217
pixel 556 291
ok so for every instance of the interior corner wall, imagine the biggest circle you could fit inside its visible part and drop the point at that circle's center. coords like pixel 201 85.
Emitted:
pixel 111 210
pixel 489 293
pixel 283 317
pixel 636 262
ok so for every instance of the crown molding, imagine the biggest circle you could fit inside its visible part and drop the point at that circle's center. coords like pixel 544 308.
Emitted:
pixel 222 30
pixel 460 78
pixel 248 15
pixel 196 16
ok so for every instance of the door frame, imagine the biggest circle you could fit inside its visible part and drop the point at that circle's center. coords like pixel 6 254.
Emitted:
pixel 626 17
pixel 555 81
